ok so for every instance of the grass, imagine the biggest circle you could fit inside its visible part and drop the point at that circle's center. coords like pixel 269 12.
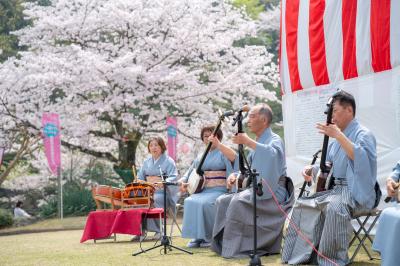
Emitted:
pixel 63 248
pixel 69 223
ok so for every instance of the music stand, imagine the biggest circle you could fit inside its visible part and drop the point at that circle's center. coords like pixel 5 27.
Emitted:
pixel 165 241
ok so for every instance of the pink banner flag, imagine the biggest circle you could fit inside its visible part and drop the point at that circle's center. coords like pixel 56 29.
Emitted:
pixel 172 134
pixel 52 140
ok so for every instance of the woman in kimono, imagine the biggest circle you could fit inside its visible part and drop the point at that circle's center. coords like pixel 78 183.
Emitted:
pixel 199 209
pixel 158 162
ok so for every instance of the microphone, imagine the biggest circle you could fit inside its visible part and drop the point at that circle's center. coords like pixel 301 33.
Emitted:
pixel 162 175
pixel 387 199
pixel 173 183
pixel 229 113
pixel 259 189
pixel 245 109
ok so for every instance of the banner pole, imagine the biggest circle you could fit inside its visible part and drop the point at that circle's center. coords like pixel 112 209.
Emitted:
pixel 1 155
pixel 60 194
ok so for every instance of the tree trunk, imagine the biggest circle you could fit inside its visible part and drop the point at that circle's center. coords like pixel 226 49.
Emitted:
pixel 127 150
pixel 19 154
pixel 127 145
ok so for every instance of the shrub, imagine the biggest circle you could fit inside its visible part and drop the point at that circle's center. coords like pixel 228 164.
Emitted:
pixel 6 218
pixel 49 209
pixel 77 201
pixel 77 197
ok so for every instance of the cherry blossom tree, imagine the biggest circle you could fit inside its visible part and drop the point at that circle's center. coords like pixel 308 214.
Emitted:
pixel 114 70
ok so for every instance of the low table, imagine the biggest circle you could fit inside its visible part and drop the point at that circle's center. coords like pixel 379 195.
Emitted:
pixel 103 223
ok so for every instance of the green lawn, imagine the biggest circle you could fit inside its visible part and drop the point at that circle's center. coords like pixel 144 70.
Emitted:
pixel 63 248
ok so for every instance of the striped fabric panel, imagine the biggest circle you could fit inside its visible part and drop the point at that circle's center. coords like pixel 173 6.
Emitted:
pixel 380 34
pixel 363 37
pixel 326 41
pixel 317 42
pixel 283 60
pixel 349 12
pixel 303 46
pixel 395 33
pixel 291 22
pixel 332 25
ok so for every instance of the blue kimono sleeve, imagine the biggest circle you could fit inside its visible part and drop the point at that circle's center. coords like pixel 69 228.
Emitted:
pixel 228 166
pixel 362 171
pixel 170 170
pixel 269 160
pixel 395 175
pixel 192 167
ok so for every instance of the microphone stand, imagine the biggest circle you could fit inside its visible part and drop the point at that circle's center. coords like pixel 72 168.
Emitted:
pixel 239 121
pixel 257 189
pixel 165 240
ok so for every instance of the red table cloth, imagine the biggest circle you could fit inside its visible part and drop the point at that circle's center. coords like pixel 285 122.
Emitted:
pixel 102 224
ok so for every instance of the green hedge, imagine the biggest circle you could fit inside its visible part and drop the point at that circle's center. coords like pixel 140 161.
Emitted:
pixel 6 218
pixel 77 201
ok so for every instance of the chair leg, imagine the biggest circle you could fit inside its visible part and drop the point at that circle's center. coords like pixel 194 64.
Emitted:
pixel 362 227
pixel 361 244
pixel 177 225
pixel 358 246
pixel 174 221
pixel 366 234
pixel 356 233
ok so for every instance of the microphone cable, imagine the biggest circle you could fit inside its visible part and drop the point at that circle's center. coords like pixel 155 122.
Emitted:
pixel 298 231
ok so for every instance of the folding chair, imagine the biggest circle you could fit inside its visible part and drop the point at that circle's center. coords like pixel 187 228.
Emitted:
pixel 172 214
pixel 362 219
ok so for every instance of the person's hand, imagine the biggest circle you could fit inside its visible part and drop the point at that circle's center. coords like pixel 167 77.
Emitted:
pixel 241 138
pixel 215 141
pixel 230 181
pixel 307 173
pixel 391 187
pixel 158 185
pixel 183 187
pixel 330 130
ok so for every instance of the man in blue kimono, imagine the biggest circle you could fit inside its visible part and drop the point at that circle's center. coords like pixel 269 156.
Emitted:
pixel 233 228
pixel 324 218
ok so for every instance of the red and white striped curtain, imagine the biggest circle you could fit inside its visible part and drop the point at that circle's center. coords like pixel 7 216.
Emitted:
pixel 326 41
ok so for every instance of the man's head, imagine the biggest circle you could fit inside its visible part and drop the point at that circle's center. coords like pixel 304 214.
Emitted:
pixel 19 204
pixel 260 118
pixel 344 109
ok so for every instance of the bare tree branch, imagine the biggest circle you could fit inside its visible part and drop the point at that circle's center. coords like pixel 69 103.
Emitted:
pixel 97 154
